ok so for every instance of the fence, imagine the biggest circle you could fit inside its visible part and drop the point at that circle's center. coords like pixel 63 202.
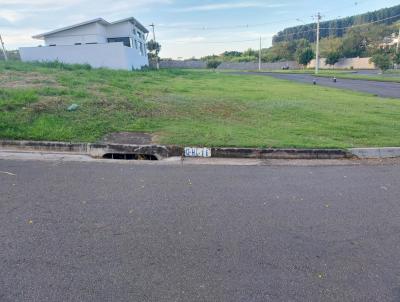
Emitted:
pixel 228 65
pixel 183 64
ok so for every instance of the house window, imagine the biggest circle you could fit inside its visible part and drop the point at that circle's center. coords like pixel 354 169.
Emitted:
pixel 125 40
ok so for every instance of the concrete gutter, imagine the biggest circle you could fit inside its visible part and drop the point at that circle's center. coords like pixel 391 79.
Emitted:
pixel 389 152
pixel 99 150
pixel 160 152
pixel 94 150
pixel 266 153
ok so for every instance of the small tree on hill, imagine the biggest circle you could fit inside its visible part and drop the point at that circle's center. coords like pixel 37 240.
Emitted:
pixel 154 49
pixel 304 56
pixel 332 58
pixel 396 59
pixel 213 63
pixel 382 61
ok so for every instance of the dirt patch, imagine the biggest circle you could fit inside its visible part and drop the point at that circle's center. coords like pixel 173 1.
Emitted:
pixel 47 104
pixel 10 79
pixel 134 138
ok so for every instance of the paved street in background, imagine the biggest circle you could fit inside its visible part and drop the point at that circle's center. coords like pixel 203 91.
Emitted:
pixel 89 231
pixel 382 89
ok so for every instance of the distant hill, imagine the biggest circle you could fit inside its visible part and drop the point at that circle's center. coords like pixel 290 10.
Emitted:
pixel 334 28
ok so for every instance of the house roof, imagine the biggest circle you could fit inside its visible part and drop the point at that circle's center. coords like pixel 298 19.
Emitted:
pixel 97 20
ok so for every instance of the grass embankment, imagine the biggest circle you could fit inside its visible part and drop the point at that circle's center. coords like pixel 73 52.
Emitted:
pixel 189 108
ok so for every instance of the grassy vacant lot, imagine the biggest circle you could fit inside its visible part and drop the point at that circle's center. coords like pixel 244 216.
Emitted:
pixel 189 108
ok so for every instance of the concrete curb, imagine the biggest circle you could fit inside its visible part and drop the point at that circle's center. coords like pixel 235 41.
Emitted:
pixel 261 153
pixel 389 152
pixel 94 150
pixel 98 150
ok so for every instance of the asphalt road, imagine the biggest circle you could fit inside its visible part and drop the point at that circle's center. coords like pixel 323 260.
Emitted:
pixel 84 231
pixel 382 89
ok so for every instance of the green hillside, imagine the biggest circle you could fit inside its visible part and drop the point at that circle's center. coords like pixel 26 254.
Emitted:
pixel 337 28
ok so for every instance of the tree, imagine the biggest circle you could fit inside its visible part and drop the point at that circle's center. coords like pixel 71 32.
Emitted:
pixel 328 45
pixel 213 64
pixel 304 56
pixel 332 58
pixel 382 61
pixel 154 49
pixel 396 58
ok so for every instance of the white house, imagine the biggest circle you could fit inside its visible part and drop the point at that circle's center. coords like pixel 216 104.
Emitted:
pixel 116 45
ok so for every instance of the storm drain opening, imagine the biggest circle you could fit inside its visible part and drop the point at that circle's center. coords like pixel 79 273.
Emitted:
pixel 123 156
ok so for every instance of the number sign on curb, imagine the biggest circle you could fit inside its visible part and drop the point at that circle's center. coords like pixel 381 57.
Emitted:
pixel 197 152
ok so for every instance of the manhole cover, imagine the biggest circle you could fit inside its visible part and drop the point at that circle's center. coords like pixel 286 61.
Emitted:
pixel 130 138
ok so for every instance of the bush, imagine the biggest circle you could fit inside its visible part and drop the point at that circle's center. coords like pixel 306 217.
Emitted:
pixel 213 64
pixel 382 61
pixel 396 58
pixel 304 56
pixel 332 58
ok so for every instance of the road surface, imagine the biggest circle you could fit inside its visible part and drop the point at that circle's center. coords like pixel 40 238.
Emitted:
pixel 382 89
pixel 89 231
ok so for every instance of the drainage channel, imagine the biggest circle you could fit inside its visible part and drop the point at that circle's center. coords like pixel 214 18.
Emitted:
pixel 123 156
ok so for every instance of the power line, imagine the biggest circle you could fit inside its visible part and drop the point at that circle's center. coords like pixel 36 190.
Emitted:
pixel 204 28
pixel 216 42
pixel 317 44
pixel 226 26
pixel 286 34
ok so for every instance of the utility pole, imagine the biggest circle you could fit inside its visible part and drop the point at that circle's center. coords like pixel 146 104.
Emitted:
pixel 154 31
pixel 152 25
pixel 259 56
pixel 4 49
pixel 398 41
pixel 317 48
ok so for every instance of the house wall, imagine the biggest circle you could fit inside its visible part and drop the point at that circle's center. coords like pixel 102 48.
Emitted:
pixel 126 29
pixel 90 33
pixel 123 29
pixel 111 55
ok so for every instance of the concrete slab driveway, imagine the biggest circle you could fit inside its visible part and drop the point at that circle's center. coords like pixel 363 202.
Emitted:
pixel 382 89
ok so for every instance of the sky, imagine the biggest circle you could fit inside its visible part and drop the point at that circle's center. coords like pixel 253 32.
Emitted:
pixel 184 28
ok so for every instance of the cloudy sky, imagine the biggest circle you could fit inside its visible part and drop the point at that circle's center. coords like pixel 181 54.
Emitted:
pixel 185 28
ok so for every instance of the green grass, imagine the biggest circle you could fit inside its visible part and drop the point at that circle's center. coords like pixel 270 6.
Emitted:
pixel 388 76
pixel 183 107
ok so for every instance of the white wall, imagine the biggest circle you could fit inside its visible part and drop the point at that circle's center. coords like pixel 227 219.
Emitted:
pixel 355 63
pixel 90 33
pixel 133 58
pixel 111 55
pixel 123 29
